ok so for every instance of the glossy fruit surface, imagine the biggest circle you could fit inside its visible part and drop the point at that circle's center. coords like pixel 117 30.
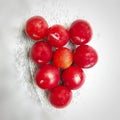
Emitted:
pixel 60 96
pixel 73 77
pixel 36 27
pixel 60 54
pixel 41 52
pixel 57 35
pixel 63 57
pixel 80 32
pixel 85 56
pixel 47 77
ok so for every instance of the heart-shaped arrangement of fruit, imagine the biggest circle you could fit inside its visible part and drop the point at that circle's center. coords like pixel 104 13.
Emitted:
pixel 60 68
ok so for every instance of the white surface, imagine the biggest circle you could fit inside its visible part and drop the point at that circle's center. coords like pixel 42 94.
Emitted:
pixel 100 95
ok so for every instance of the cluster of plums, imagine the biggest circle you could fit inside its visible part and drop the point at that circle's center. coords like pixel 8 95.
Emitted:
pixel 60 68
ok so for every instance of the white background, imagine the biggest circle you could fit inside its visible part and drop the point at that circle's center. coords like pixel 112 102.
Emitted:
pixel 100 95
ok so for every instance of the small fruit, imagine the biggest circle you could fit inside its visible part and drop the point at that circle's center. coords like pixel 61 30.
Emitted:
pixel 85 56
pixel 41 52
pixel 47 77
pixel 36 27
pixel 63 57
pixel 60 96
pixel 73 77
pixel 80 32
pixel 57 36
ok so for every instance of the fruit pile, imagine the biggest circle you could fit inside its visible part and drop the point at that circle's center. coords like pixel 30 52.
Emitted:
pixel 60 68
